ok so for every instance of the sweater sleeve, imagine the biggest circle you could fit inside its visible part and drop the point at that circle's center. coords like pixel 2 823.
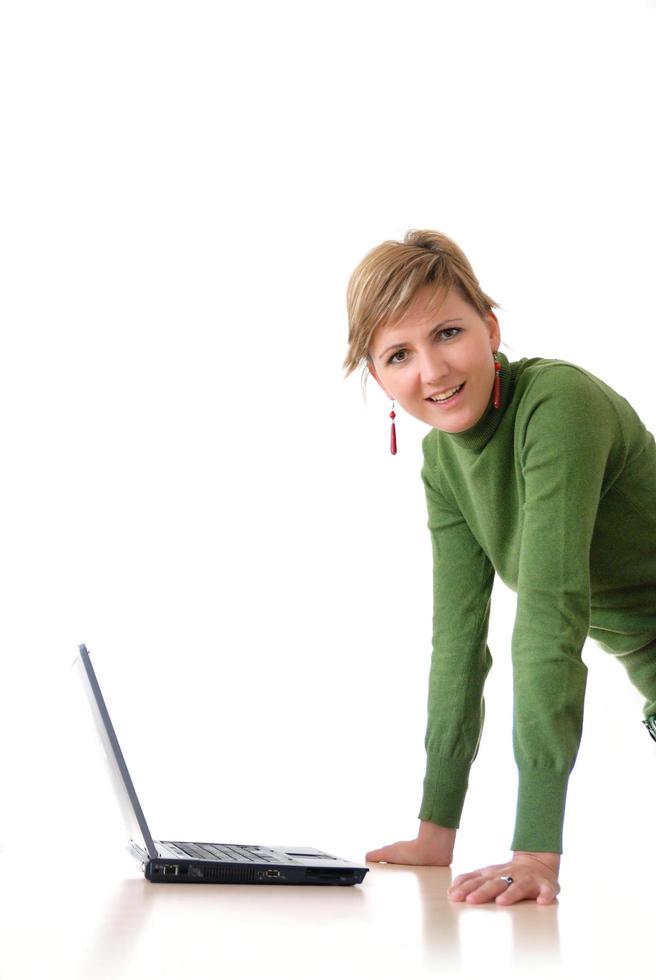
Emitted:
pixel 462 584
pixel 566 439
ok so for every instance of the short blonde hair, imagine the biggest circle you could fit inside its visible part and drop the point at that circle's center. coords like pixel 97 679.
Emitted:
pixel 387 280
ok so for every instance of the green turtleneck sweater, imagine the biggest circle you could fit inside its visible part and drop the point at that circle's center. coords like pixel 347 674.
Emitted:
pixel 554 491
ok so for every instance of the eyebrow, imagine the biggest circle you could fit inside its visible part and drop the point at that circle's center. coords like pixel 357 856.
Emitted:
pixel 451 319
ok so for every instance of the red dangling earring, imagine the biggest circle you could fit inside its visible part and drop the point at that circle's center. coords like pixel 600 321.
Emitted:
pixel 497 382
pixel 392 415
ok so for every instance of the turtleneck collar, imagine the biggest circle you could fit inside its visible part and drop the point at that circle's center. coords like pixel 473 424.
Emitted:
pixel 476 438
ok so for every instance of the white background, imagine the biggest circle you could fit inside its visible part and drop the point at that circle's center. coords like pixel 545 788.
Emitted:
pixel 189 485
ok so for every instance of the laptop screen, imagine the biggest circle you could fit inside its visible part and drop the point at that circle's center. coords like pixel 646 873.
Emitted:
pixel 133 815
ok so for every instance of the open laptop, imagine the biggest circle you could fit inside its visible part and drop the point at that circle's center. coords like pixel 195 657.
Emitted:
pixel 202 863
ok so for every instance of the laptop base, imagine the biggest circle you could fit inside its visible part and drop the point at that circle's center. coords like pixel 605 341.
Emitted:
pixel 238 864
pixel 207 873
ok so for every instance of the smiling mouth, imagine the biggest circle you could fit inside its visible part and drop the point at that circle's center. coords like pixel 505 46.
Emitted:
pixel 447 396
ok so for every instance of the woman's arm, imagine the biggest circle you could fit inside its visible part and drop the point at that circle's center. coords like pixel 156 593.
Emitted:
pixel 570 442
pixel 463 578
pixel 572 449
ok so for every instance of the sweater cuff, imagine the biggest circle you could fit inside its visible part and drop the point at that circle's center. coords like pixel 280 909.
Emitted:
pixel 445 786
pixel 540 810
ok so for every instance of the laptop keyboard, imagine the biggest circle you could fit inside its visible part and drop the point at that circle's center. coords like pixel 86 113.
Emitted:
pixel 221 852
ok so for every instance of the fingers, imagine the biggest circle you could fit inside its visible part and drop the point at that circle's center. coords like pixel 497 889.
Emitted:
pixel 466 877
pixel 544 892
pixel 460 887
pixel 548 893
pixel 491 871
pixel 411 852
pixel 477 889
pixel 391 853
pixel 519 891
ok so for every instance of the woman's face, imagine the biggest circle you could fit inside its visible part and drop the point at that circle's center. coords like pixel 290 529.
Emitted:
pixel 430 351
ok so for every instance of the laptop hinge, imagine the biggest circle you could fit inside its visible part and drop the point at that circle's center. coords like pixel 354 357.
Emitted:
pixel 137 851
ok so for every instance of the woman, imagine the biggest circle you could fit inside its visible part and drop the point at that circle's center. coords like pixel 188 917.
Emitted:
pixel 535 470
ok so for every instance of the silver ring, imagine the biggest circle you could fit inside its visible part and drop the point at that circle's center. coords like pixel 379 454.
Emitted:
pixel 508 880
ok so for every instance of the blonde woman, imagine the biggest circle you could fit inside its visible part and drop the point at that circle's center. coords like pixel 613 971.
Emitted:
pixel 535 470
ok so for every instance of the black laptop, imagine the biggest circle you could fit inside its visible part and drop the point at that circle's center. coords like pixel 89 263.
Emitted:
pixel 203 863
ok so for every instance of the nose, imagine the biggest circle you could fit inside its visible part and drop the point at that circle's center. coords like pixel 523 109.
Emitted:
pixel 433 366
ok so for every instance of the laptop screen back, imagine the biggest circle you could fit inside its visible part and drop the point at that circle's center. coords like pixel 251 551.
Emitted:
pixel 127 797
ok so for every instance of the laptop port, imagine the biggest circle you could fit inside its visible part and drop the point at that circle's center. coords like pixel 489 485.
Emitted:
pixel 271 873
pixel 170 869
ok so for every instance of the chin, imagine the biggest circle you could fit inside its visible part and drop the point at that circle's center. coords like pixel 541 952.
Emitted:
pixel 453 427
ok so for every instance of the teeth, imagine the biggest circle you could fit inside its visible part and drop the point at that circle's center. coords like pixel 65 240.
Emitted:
pixel 447 394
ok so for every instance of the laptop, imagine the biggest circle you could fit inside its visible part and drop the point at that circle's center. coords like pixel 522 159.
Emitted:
pixel 204 863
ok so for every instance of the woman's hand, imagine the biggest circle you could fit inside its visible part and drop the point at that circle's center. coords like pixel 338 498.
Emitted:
pixel 535 876
pixel 432 846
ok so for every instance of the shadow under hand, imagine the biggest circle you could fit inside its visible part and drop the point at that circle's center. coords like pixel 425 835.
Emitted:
pixel 535 934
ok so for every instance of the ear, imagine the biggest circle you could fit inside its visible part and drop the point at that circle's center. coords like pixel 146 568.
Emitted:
pixel 493 327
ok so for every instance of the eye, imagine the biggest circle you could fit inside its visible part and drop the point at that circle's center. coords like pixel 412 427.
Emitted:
pixel 453 331
pixel 397 357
